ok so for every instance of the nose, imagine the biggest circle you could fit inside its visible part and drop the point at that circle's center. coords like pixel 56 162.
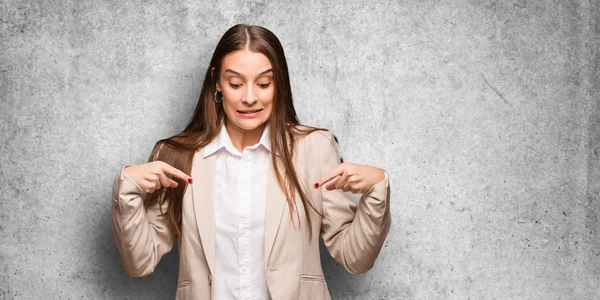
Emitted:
pixel 250 95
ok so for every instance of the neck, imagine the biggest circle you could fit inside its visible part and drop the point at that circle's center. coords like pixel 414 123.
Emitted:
pixel 241 138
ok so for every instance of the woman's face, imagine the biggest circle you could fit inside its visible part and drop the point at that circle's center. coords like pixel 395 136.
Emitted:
pixel 246 81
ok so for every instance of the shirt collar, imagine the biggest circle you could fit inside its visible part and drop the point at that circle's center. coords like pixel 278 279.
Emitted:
pixel 222 140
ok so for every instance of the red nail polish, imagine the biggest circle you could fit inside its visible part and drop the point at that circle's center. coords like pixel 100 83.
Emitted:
pixel 190 180
pixel 316 185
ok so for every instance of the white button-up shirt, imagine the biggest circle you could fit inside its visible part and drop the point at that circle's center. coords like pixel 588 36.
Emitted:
pixel 240 196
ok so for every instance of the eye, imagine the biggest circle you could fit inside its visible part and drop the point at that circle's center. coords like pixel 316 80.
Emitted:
pixel 235 85
pixel 264 85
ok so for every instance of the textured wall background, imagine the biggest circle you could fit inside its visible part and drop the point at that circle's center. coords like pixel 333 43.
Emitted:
pixel 484 113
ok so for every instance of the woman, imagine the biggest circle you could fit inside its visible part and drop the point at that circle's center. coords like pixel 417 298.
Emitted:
pixel 241 189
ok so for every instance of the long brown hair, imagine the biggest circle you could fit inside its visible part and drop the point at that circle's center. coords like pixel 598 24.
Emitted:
pixel 208 117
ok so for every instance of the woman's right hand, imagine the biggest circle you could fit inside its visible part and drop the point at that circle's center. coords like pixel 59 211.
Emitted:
pixel 154 175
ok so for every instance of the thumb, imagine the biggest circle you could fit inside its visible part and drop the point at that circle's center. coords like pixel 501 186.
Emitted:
pixel 173 184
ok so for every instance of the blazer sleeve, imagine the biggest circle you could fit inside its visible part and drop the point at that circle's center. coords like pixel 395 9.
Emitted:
pixel 353 234
pixel 142 234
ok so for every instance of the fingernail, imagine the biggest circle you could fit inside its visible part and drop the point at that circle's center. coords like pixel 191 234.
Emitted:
pixel 190 180
pixel 316 185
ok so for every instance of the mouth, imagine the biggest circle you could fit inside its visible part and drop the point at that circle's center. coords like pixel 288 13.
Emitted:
pixel 249 111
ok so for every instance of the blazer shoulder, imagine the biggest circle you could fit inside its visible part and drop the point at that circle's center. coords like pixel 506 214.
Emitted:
pixel 318 136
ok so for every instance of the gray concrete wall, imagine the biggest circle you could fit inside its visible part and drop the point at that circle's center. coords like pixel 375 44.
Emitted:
pixel 484 113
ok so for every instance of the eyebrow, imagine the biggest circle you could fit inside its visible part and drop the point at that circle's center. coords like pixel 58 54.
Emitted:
pixel 237 73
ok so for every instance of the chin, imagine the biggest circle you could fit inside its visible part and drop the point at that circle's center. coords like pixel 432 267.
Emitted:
pixel 249 125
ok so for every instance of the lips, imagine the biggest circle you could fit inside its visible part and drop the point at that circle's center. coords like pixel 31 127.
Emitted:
pixel 248 112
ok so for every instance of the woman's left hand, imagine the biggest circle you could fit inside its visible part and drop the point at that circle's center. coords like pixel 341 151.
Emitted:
pixel 354 178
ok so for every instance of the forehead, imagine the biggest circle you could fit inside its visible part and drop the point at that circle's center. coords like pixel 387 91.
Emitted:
pixel 246 62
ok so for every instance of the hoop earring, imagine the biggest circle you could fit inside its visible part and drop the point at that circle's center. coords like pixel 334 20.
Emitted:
pixel 217 98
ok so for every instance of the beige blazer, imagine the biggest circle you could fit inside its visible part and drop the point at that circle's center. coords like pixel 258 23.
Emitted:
pixel 353 235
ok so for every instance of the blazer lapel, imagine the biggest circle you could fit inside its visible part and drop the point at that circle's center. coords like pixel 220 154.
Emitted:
pixel 275 206
pixel 203 173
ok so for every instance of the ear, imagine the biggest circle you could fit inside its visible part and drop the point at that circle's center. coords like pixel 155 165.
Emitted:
pixel 212 75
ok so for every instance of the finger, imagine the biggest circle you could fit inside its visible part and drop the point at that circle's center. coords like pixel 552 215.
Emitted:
pixel 358 189
pixel 330 175
pixel 166 181
pixel 355 184
pixel 343 181
pixel 331 185
pixel 170 170
pixel 148 186
pixel 153 181
pixel 346 187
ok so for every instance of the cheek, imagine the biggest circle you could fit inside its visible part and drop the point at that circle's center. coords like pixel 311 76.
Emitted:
pixel 229 106
pixel 268 105
pixel 268 97
pixel 229 94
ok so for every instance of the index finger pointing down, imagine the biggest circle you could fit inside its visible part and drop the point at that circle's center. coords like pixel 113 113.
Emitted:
pixel 330 175
pixel 168 169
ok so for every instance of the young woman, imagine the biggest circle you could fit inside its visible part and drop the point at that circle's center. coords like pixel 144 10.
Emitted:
pixel 241 189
